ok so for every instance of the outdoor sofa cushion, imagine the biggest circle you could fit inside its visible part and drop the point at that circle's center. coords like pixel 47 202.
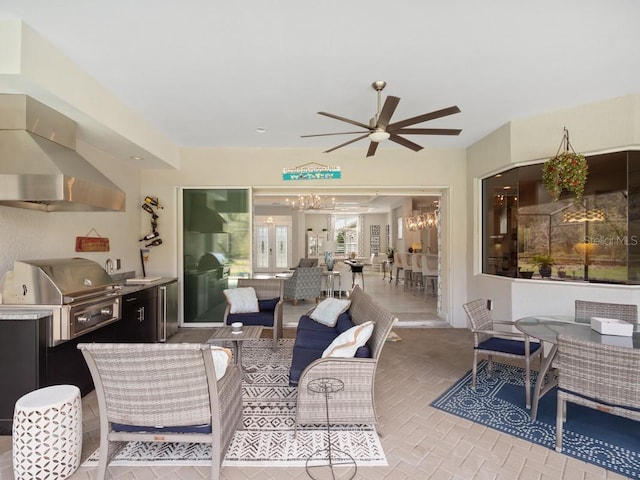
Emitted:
pixel 263 317
pixel 312 338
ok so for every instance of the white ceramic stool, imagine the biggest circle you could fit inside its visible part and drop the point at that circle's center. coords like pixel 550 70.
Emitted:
pixel 47 433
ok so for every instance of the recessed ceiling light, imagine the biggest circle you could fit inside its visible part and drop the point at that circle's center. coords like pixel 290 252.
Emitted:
pixel 261 130
pixel 135 157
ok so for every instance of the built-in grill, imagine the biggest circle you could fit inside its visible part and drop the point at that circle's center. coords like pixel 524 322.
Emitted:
pixel 215 261
pixel 81 294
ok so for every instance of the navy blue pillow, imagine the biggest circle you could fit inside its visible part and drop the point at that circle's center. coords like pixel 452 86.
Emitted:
pixel 268 305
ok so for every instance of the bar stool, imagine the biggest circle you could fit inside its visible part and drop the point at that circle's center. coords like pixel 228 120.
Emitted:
pixel 47 433
pixel 399 266
pixel 418 279
pixel 430 272
pixel 408 270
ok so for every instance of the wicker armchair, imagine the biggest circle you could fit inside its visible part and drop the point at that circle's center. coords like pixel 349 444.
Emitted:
pixel 306 282
pixel 489 341
pixel 355 403
pixel 621 311
pixel 140 386
pixel 604 377
pixel 268 290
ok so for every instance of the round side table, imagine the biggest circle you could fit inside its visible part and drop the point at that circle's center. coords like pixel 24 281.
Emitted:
pixel 334 456
pixel 47 433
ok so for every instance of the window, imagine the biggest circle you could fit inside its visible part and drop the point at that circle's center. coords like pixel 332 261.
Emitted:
pixel 347 228
pixel 595 240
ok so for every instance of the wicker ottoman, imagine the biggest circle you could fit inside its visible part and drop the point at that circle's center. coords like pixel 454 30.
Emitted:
pixel 47 433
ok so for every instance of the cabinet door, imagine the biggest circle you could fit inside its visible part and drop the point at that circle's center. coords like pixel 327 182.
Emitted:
pixel 139 316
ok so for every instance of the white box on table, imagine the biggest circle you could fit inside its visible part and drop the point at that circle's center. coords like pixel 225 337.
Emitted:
pixel 611 326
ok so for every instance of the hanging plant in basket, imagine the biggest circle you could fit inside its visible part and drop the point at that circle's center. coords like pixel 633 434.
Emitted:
pixel 566 171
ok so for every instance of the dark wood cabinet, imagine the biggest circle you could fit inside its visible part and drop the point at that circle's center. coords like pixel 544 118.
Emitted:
pixel 28 364
pixel 139 322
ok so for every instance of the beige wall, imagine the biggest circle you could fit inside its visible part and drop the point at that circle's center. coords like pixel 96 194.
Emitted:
pixel 392 170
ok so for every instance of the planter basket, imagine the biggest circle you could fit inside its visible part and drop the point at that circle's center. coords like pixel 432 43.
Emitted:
pixel 566 171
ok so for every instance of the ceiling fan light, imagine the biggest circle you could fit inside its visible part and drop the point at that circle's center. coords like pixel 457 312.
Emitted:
pixel 379 136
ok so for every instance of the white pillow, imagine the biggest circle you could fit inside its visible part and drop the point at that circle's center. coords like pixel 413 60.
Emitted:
pixel 346 344
pixel 328 311
pixel 221 360
pixel 242 300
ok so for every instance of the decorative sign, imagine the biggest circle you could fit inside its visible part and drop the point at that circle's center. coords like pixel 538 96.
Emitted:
pixel 311 171
pixel 92 244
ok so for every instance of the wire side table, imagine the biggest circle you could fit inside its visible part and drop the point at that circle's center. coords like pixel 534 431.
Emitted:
pixel 334 456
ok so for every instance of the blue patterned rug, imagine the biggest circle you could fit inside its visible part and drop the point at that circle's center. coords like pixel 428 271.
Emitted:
pixel 609 441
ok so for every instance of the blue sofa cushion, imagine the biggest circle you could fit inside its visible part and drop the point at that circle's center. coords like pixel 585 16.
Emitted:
pixel 312 338
pixel 119 427
pixel 268 305
pixel 505 345
pixel 258 318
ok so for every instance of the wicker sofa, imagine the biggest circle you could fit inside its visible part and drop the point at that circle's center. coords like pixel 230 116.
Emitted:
pixel 355 402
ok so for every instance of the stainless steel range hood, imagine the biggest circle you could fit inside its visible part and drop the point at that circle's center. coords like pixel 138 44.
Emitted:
pixel 39 167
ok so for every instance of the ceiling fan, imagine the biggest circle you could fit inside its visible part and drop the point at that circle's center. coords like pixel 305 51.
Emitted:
pixel 379 128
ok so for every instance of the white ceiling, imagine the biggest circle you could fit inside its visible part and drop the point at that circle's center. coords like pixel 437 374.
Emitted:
pixel 209 73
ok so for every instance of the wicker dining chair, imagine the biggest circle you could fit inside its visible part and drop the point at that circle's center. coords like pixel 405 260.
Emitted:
pixel 491 342
pixel 141 386
pixel 599 376
pixel 622 311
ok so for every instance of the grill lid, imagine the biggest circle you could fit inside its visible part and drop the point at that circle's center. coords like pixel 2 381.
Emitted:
pixel 49 281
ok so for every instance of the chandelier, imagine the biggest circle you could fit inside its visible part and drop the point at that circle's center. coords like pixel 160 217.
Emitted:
pixel 420 221
pixel 312 201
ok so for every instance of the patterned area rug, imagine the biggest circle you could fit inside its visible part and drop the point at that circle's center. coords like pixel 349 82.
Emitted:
pixel 267 437
pixel 608 441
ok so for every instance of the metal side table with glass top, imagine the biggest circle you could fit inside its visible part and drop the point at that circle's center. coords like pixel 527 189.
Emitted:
pixel 546 328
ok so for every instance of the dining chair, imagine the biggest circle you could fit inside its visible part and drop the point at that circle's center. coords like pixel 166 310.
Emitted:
pixel 599 376
pixel 620 311
pixel 489 341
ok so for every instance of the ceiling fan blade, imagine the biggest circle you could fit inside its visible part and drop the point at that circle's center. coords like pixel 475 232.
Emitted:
pixel 342 119
pixel 428 131
pixel 423 118
pixel 347 143
pixel 373 146
pixel 328 134
pixel 390 105
pixel 405 143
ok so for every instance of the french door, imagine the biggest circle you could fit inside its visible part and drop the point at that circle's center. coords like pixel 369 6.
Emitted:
pixel 272 244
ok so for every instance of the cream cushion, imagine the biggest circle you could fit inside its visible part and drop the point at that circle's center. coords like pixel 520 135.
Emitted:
pixel 346 344
pixel 221 360
pixel 328 311
pixel 242 300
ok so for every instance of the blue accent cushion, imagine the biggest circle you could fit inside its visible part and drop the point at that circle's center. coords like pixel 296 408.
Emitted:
pixel 258 318
pixel 268 305
pixel 363 352
pixel 504 345
pixel 302 357
pixel 344 323
pixel 308 324
pixel 119 427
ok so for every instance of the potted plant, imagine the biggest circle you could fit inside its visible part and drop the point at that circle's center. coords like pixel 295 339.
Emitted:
pixel 390 254
pixel 543 262
pixel 561 272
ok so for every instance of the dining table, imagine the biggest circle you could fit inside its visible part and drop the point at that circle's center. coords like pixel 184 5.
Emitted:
pixel 547 328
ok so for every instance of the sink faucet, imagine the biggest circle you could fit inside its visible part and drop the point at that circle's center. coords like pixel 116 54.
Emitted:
pixel 108 266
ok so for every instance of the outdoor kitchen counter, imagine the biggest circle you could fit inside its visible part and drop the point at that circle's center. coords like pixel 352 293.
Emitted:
pixel 127 288
pixel 11 312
